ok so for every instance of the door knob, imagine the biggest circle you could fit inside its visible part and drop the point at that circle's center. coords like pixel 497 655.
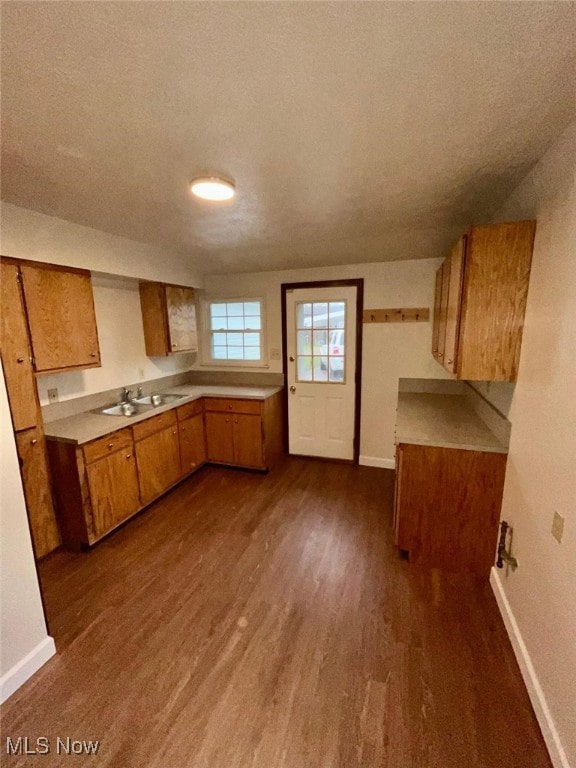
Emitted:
pixel 292 388
pixel 291 358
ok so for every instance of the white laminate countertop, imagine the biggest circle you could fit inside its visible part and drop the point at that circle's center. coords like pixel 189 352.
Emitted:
pixel 84 427
pixel 445 421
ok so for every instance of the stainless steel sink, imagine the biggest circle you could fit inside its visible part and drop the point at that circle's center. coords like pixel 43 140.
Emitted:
pixel 125 409
pixel 160 399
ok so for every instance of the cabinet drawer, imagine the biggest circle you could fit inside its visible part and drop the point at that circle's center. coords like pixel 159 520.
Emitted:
pixel 154 424
pixel 232 405
pixel 190 409
pixel 108 444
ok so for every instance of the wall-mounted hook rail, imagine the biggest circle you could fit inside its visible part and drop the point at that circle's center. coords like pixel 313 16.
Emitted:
pixel 395 315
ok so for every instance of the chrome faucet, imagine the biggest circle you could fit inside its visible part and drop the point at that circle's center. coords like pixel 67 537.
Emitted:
pixel 125 395
pixel 139 390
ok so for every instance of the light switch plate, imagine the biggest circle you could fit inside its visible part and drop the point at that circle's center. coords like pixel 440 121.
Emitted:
pixel 558 527
pixel 274 354
pixel 53 395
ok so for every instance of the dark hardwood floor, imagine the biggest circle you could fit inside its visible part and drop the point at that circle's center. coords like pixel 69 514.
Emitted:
pixel 249 621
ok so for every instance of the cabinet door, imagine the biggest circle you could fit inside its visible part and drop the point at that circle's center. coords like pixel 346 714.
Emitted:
pixel 192 443
pixel 158 460
pixel 498 260
pixel 113 484
pixel 181 319
pixel 61 318
pixel 34 467
pixel 437 304
pixel 443 312
pixel 453 305
pixel 219 438
pixel 449 506
pixel 247 435
pixel 16 352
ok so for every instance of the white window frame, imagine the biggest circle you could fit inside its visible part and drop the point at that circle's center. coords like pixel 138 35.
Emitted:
pixel 206 335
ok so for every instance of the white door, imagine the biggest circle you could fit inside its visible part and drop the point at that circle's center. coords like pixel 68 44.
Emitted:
pixel 321 346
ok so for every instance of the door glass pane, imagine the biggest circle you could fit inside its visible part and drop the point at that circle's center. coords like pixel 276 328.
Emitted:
pixel 303 342
pixel 320 314
pixel 303 315
pixel 320 368
pixel 320 347
pixel 337 310
pixel 304 368
pixel 336 368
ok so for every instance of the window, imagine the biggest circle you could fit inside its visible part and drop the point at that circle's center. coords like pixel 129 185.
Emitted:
pixel 235 333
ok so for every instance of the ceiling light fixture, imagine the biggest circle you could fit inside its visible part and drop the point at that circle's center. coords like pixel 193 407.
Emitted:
pixel 213 188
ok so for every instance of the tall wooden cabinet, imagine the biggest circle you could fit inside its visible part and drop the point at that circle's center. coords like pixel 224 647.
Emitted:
pixel 48 324
pixel 25 410
pixel 169 319
pixel 480 302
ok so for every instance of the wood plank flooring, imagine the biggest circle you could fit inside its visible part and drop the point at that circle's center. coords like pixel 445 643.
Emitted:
pixel 249 621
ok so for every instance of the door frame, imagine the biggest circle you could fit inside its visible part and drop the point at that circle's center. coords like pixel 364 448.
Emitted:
pixel 357 283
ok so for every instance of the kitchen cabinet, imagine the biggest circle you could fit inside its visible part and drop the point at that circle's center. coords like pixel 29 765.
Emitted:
pixel 25 411
pixel 169 319
pixel 157 454
pixel 95 486
pixel 30 445
pixel 481 301
pixel 103 482
pixel 234 432
pixel 61 317
pixel 113 486
pixel 447 506
pixel 244 433
pixel 16 353
pixel 192 437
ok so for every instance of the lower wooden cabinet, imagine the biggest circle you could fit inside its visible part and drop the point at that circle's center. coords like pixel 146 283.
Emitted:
pixel 157 455
pixel 447 506
pixel 235 433
pixel 102 483
pixel 31 449
pixel 113 488
pixel 192 442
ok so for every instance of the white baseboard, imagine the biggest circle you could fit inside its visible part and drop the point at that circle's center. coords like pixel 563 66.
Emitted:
pixel 537 697
pixel 26 667
pixel 375 461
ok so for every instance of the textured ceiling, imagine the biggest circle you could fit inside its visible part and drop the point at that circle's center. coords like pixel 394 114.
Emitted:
pixel 355 131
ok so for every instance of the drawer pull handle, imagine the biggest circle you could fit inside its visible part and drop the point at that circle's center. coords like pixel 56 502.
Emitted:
pixel 20 360
pixel 110 445
pixel 93 354
pixel 128 456
pixel 33 442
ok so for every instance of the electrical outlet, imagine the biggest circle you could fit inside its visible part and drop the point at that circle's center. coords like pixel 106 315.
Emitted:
pixel 53 395
pixel 274 354
pixel 558 527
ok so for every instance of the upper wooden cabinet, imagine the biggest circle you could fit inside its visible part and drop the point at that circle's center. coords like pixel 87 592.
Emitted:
pixel 169 318
pixel 481 300
pixel 61 317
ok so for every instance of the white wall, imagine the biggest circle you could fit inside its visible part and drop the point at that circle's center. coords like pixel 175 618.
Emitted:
pixel 30 235
pixel 541 475
pixel 26 234
pixel 390 350
pixel 24 642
